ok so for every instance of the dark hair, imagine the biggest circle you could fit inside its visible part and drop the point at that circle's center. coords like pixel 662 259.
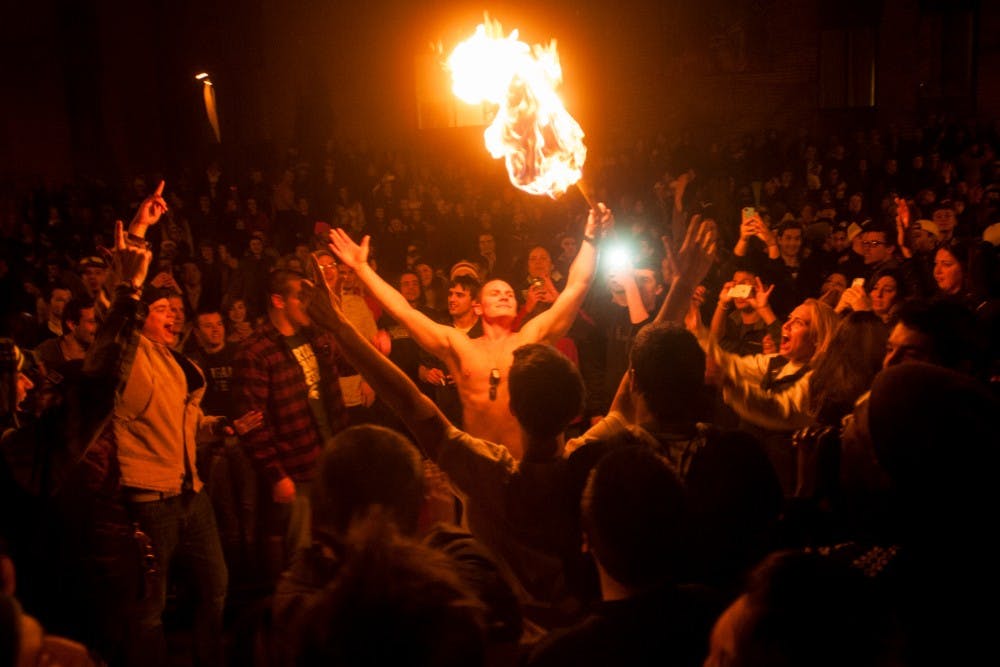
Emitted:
pixel 50 289
pixel 970 257
pixel 890 237
pixel 468 283
pixel 546 390
pixel 74 311
pixel 634 516
pixel 393 601
pixel 853 357
pixel 365 467
pixel 669 370
pixel 952 330
pixel 791 224
pixel 805 609
pixel 279 281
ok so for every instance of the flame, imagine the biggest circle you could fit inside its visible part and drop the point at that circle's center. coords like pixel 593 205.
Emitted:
pixel 541 143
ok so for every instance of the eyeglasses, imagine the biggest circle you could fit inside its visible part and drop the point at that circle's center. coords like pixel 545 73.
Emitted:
pixel 872 244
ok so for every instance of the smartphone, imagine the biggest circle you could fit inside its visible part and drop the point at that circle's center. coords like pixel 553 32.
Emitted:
pixel 749 212
pixel 740 291
pixel 858 282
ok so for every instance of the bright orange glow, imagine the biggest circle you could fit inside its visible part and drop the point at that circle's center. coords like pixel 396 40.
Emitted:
pixel 540 142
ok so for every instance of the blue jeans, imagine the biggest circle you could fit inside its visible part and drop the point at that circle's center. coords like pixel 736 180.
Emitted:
pixel 182 530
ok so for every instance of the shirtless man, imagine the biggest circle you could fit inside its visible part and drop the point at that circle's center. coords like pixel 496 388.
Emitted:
pixel 480 365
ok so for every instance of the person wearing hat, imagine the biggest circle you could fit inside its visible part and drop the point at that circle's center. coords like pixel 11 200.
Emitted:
pixel 93 271
pixel 155 427
pixel 917 241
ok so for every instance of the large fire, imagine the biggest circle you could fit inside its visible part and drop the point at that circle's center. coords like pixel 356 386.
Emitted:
pixel 540 142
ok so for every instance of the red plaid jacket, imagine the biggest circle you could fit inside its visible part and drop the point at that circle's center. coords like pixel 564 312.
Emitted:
pixel 269 379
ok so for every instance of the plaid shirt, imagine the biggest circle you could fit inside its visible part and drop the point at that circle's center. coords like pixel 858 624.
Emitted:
pixel 266 377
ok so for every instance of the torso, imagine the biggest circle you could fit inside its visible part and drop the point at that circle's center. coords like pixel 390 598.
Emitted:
pixel 470 365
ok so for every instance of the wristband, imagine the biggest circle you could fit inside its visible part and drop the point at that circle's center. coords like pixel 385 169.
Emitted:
pixel 592 240
pixel 136 241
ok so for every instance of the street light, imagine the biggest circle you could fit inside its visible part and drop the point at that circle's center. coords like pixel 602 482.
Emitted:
pixel 208 92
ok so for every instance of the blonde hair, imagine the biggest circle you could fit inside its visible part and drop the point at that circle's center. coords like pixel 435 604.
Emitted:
pixel 822 323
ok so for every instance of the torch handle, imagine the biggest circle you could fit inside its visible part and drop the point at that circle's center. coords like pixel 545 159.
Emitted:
pixel 588 193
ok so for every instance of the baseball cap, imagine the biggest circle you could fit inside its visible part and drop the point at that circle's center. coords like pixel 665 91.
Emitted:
pixel 928 226
pixel 93 261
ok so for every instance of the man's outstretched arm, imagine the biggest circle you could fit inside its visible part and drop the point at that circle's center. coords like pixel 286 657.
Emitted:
pixel 695 259
pixel 556 321
pixel 430 335
pixel 425 421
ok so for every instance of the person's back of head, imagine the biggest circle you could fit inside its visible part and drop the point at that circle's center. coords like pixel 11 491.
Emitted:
pixel 363 468
pixel 804 610
pixel 634 517
pixel 949 329
pixel 392 602
pixel 668 368
pixel 933 431
pixel 546 391
pixel 735 500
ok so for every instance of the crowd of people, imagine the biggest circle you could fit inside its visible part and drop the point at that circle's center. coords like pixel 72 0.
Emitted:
pixel 385 409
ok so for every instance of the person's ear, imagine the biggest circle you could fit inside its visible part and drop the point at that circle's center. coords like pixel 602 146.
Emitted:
pixel 278 301
pixel 477 308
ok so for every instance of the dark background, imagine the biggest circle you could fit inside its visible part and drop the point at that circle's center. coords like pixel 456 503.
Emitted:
pixel 108 87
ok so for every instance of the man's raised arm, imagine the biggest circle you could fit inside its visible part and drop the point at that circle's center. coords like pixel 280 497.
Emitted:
pixel 430 335
pixel 424 420
pixel 694 261
pixel 556 321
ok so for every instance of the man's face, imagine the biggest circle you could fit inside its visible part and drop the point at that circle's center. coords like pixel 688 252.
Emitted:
pixel 838 240
pixel 497 300
pixel 834 281
pixel 570 246
pixel 210 330
pixel 487 244
pixel 58 301
pixel 649 289
pixel 256 246
pixel 854 203
pixel 160 325
pixel 790 242
pixel 922 241
pixel 177 305
pixel 539 263
pixel 93 278
pixel 409 287
pixel 797 343
pixel 86 328
pixel 460 301
pixel 906 344
pixel 295 304
pixel 946 220
pixel 874 247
